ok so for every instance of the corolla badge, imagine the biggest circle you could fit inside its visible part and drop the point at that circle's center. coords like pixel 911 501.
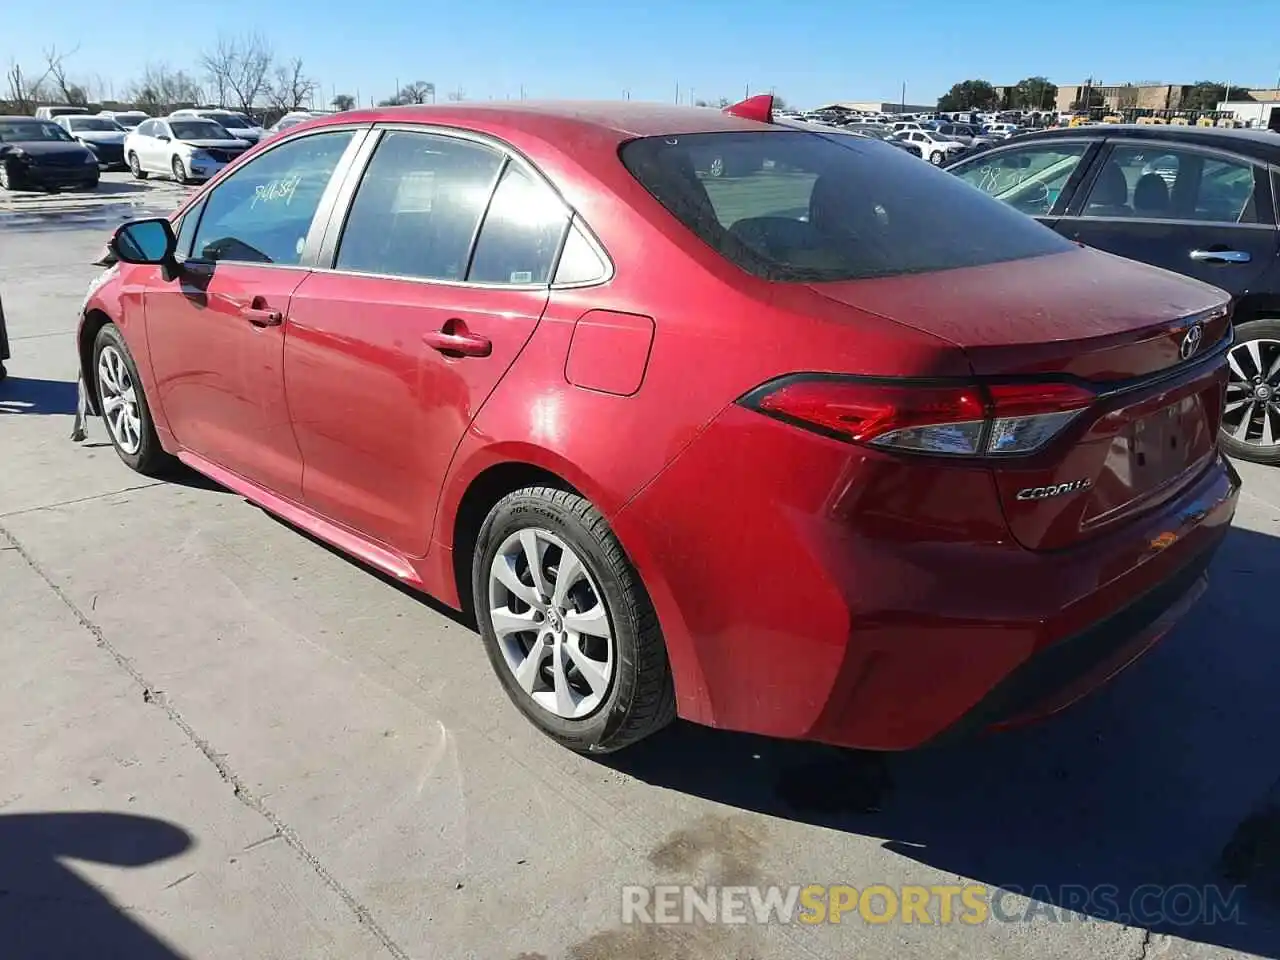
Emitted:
pixel 1054 490
pixel 1191 342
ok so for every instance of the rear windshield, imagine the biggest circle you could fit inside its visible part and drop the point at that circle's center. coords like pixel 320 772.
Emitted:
pixel 809 207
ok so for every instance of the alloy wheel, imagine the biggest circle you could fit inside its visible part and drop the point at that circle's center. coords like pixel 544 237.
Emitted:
pixel 134 166
pixel 179 171
pixel 551 623
pixel 717 167
pixel 1252 413
pixel 119 397
pixel 6 180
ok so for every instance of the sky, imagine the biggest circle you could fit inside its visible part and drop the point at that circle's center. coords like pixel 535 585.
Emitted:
pixel 808 51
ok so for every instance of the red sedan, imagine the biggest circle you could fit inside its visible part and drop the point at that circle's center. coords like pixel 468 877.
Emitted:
pixel 776 430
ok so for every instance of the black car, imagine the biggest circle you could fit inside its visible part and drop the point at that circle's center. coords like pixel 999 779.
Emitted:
pixel 40 155
pixel 1199 201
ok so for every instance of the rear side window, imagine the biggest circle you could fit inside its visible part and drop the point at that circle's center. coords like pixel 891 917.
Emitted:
pixel 808 207
pixel 521 233
pixel 418 207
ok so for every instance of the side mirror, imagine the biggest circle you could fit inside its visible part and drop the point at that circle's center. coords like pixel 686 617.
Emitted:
pixel 163 137
pixel 145 241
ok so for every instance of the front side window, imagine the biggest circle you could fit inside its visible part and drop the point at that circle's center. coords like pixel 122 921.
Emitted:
pixel 1029 178
pixel 521 233
pixel 825 208
pixel 263 211
pixel 1153 182
pixel 418 206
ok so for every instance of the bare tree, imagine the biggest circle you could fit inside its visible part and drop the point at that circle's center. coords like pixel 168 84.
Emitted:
pixel 25 91
pixel 239 68
pixel 343 101
pixel 292 87
pixel 420 91
pixel 70 93
pixel 161 89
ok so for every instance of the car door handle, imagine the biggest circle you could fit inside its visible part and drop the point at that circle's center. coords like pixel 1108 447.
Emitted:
pixel 260 315
pixel 1221 256
pixel 459 342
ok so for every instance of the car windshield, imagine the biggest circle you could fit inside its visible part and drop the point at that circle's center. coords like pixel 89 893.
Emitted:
pixel 231 122
pixel 808 207
pixel 30 131
pixel 199 130
pixel 93 123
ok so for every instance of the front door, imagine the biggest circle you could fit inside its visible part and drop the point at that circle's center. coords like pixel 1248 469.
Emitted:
pixel 1036 177
pixel 392 352
pixel 217 331
pixel 1201 213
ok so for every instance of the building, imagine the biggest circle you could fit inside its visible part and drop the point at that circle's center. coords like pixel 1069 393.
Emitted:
pixel 1255 113
pixel 1143 96
pixel 878 106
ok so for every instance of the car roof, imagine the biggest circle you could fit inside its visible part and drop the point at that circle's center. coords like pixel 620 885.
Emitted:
pixel 617 120
pixel 1259 144
pixel 19 116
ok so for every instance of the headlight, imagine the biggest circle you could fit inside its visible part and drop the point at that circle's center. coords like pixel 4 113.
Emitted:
pixel 201 156
pixel 91 157
pixel 17 153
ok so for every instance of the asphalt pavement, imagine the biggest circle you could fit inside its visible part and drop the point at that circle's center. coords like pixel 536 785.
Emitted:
pixel 220 738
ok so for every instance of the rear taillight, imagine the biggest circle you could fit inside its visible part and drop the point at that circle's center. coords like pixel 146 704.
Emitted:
pixel 963 419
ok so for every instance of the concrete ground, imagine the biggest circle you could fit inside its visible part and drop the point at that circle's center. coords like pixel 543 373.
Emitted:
pixel 219 738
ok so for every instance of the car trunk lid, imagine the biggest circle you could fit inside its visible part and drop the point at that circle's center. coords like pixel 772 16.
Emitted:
pixel 1139 337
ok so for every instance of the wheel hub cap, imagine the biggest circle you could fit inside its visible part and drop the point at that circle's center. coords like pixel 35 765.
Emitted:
pixel 119 400
pixel 1252 411
pixel 551 624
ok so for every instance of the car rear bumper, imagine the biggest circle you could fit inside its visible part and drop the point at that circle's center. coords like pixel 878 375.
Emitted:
pixel 814 590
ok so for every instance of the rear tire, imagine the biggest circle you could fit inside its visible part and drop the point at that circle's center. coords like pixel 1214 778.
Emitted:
pixel 630 693
pixel 1252 414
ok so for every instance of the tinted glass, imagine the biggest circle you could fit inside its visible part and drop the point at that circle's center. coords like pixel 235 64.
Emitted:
pixel 810 207
pixel 199 130
pixel 231 122
pixel 521 233
pixel 31 131
pixel 1159 183
pixel 263 212
pixel 185 229
pixel 1030 178
pixel 92 123
pixel 418 207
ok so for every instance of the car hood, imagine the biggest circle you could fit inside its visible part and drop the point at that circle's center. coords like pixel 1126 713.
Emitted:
pixel 219 144
pixel 101 136
pixel 49 148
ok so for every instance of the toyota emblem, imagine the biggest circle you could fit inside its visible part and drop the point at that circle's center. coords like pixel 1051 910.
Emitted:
pixel 1191 342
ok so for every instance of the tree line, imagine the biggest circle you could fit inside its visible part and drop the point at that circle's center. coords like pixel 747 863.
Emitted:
pixel 243 72
pixel 1037 93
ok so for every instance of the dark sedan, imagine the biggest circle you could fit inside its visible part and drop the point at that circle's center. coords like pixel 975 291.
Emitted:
pixel 40 155
pixel 1198 201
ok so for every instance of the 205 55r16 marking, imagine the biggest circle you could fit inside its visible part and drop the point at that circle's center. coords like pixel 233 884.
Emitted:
pixel 567 624
pixel 1251 417
pixel 123 404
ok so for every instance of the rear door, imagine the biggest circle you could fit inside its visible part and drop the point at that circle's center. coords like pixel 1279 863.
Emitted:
pixel 1204 213
pixel 392 350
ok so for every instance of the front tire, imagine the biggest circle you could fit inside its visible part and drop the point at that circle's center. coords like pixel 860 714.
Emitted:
pixel 567 624
pixel 179 171
pixel 8 181
pixel 1251 419
pixel 937 157
pixel 124 405
pixel 135 167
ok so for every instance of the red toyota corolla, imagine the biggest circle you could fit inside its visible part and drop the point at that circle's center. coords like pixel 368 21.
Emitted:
pixel 774 429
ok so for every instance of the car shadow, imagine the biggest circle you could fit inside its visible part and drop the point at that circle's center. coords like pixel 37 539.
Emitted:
pixel 115 188
pixel 48 910
pixel 1168 776
pixel 27 395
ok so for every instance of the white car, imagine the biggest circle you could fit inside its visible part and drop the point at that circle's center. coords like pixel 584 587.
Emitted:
pixel 904 125
pixel 236 123
pixel 129 119
pixel 100 134
pixel 292 119
pixel 934 147
pixel 184 148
